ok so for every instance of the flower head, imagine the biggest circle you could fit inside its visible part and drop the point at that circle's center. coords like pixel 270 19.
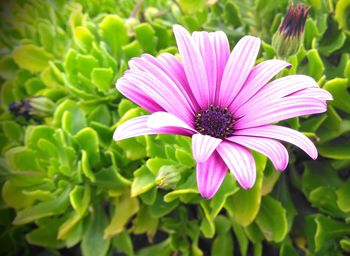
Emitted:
pixel 287 39
pixel 221 100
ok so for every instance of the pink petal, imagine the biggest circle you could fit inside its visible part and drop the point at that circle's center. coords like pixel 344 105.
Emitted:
pixel 210 175
pixel 238 67
pixel 207 51
pixel 240 162
pixel 316 93
pixel 137 95
pixel 275 90
pixel 284 134
pixel 273 149
pixel 176 71
pixel 282 109
pixel 258 77
pixel 154 66
pixel 222 53
pixel 163 119
pixel 138 126
pixel 203 146
pixel 193 65
pixel 163 93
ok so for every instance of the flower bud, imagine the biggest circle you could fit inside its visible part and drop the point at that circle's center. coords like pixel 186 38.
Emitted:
pixel 130 23
pixel 32 107
pixel 168 176
pixel 287 40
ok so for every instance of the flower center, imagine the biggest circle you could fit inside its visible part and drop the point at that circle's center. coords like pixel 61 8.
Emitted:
pixel 214 121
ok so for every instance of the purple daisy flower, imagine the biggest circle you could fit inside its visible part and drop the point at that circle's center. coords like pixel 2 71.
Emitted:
pixel 224 102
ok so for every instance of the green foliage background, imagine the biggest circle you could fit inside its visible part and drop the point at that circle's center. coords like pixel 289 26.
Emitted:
pixel 69 189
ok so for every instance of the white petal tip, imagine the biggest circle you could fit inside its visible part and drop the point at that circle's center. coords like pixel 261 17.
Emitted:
pixel 116 135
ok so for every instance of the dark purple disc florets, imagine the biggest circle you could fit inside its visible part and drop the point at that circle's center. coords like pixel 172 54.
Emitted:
pixel 214 121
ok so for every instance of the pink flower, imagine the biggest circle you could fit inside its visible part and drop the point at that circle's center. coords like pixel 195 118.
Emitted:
pixel 224 102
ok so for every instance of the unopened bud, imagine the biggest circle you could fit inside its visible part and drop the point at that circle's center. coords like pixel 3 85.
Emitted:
pixel 130 23
pixel 168 176
pixel 33 107
pixel 150 13
pixel 287 40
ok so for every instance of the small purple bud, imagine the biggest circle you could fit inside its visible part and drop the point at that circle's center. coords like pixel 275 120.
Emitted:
pixel 287 40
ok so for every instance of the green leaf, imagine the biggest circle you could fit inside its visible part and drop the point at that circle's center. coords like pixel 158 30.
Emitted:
pixel 223 244
pixel 110 178
pixel 324 198
pixel 271 176
pixel 247 201
pixel 232 14
pixel 145 222
pixel 326 231
pixel 154 164
pixel 14 197
pixel 125 208
pixel 184 157
pixel 114 32
pixel 132 49
pixel 34 85
pixel 227 188
pixel 160 249
pixel 144 180
pixel 132 149
pixel 123 243
pixel 272 219
pixel 88 140
pixel 7 67
pixel 45 209
pixel 31 57
pixel 85 64
pixel 332 40
pixel 342 12
pixel 46 234
pixel 288 250
pixel 343 199
pixel 70 116
pixel 46 35
pixel 93 242
pixel 83 38
pixel 338 87
pixel 12 130
pixel 161 208
pixel 185 192
pixel 345 244
pixel 145 34
pixel 310 33
pixel 207 225
pixel 242 239
pixel 339 152
pixel 189 7
pixel 100 115
pixel 102 78
pixel 80 198
pixel 319 174
pixel 315 67
pixel 283 194
pixel 21 159
pixel 85 166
